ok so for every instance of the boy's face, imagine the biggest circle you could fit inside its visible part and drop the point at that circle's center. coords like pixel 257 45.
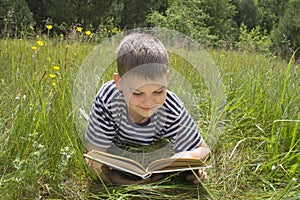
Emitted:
pixel 143 97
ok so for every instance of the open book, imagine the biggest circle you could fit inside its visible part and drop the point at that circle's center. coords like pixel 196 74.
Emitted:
pixel 158 166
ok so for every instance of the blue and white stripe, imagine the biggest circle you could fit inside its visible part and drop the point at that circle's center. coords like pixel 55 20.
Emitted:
pixel 109 122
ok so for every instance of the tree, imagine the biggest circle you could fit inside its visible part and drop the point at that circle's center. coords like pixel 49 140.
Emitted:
pixel 59 11
pixel 286 35
pixel 38 11
pixel 95 12
pixel 5 6
pixel 270 12
pixel 247 13
pixel 16 16
pixel 220 20
pixel 203 20
pixel 135 11
pixel 186 17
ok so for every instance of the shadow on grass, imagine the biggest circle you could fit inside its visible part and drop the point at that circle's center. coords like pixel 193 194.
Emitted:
pixel 173 186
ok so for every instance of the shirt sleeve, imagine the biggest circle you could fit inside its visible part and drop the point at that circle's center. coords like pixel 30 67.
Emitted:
pixel 186 135
pixel 101 127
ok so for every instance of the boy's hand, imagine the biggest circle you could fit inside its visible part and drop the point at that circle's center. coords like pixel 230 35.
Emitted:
pixel 199 153
pixel 201 176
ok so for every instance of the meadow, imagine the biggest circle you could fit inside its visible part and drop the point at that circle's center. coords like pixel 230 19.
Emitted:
pixel 256 156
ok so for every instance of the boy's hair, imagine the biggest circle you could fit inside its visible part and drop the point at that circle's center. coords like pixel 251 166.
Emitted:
pixel 143 53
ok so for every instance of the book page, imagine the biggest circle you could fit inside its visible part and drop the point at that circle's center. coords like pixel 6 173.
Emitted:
pixel 117 162
pixel 158 166
pixel 144 155
pixel 176 164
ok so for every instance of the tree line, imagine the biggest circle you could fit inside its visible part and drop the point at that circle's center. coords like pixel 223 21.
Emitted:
pixel 271 26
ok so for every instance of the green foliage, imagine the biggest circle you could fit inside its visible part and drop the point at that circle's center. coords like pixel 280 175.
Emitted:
pixel 38 141
pixel 220 18
pixel 216 22
pixel 255 40
pixel 247 13
pixel 89 14
pixel 135 12
pixel 16 17
pixel 270 11
pixel 186 17
pixel 5 6
pixel 268 127
pixel 202 20
pixel 286 35
pixel 41 154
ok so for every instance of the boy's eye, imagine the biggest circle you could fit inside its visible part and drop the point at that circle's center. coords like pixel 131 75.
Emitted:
pixel 137 93
pixel 158 92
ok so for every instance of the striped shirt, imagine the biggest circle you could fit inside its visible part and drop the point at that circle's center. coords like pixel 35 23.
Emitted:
pixel 109 122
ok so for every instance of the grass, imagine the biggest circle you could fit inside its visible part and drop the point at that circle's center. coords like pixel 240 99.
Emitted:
pixel 256 156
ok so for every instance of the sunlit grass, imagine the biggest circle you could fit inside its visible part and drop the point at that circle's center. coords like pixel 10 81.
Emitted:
pixel 255 114
pixel 257 155
pixel 38 139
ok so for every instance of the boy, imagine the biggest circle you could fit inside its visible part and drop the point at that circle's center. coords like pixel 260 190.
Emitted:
pixel 136 108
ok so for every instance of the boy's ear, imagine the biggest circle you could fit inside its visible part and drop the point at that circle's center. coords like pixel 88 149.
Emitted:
pixel 117 80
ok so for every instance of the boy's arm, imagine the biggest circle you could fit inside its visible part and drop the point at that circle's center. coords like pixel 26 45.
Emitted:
pixel 201 152
pixel 90 147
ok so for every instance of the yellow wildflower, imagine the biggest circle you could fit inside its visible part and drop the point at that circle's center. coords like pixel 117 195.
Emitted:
pixel 34 47
pixel 49 27
pixel 56 67
pixel 40 43
pixel 79 29
pixel 31 28
pixel 88 32
pixel 61 37
pixel 115 30
pixel 52 75
pixel 53 84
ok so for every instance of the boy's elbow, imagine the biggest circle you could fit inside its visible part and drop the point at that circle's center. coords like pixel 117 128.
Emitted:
pixel 204 149
pixel 90 147
pixel 209 151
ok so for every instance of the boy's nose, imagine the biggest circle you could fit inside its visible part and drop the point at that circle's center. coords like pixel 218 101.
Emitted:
pixel 149 101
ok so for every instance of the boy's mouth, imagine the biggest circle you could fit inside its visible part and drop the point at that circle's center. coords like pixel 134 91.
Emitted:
pixel 147 108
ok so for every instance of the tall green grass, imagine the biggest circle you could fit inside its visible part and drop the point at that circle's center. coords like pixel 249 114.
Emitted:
pixel 256 156
pixel 39 144
pixel 260 146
